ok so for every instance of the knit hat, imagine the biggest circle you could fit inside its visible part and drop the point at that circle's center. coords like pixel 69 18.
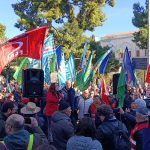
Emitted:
pixel 143 111
pixel 63 105
pixel 140 102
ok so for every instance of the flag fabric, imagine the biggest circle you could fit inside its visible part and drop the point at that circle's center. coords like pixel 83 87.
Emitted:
pixel 25 64
pixel 53 63
pixel 80 84
pixel 84 54
pixel 128 68
pixel 121 89
pixel 28 44
pixel 104 92
pixel 70 69
pixel 61 68
pixel 34 63
pixel 48 52
pixel 103 66
pixel 148 75
pixel 9 86
pixel 88 67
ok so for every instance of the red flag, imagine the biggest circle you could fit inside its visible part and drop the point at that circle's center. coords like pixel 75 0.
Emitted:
pixel 104 92
pixel 148 75
pixel 28 44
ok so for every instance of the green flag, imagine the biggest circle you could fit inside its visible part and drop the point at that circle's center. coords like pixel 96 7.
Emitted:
pixel 18 74
pixel 53 62
pixel 83 85
pixel 88 68
pixel 121 89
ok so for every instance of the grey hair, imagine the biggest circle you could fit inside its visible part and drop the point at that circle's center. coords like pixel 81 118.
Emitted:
pixel 16 121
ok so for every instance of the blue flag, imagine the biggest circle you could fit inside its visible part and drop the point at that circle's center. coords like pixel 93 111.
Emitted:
pixel 128 68
pixel 61 68
pixel 103 65
pixel 84 54
pixel 48 52
pixel 70 69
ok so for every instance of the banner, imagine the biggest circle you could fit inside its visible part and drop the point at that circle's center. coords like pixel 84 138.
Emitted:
pixel 103 66
pixel 48 52
pixel 88 67
pixel 25 64
pixel 61 68
pixel 70 69
pixel 148 75
pixel 28 44
pixel 128 68
pixel 84 54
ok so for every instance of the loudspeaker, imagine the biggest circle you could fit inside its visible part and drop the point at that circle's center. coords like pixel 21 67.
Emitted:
pixel 32 83
pixel 115 82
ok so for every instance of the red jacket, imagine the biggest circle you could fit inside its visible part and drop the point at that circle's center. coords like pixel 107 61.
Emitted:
pixel 52 101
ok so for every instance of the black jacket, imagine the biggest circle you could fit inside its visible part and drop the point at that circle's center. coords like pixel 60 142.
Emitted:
pixel 105 133
pixel 2 126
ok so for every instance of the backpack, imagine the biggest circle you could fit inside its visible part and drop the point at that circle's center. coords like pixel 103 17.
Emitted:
pixel 120 140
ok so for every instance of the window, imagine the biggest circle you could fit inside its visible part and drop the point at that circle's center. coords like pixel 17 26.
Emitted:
pixel 137 53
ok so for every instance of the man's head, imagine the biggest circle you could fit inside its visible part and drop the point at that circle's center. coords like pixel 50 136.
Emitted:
pixel 68 84
pixel 86 94
pixel 138 103
pixel 141 114
pixel 97 100
pixel 9 108
pixel 14 123
pixel 65 108
pixel 104 112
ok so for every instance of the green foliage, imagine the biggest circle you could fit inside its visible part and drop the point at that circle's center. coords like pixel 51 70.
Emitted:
pixel 35 13
pixel 8 72
pixel 2 31
pixel 140 20
pixel 113 64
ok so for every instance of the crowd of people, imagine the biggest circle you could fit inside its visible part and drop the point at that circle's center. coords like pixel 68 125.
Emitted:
pixel 65 119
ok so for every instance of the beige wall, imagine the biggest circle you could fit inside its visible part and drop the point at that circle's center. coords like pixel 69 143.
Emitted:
pixel 118 42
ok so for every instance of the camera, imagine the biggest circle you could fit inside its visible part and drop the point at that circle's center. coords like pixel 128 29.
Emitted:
pixel 27 120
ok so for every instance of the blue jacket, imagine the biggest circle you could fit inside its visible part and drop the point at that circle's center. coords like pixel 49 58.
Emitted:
pixel 83 143
pixel 62 129
pixel 70 97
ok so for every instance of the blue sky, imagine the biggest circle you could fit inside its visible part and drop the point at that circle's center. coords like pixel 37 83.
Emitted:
pixel 119 18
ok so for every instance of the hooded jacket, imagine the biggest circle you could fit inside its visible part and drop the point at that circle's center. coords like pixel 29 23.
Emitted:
pixel 62 129
pixel 20 139
pixel 83 143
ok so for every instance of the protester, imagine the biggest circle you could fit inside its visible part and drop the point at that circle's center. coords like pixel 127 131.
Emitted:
pixel 129 115
pixel 62 128
pixel 8 108
pixel 31 110
pixel 93 107
pixel 52 101
pixel 136 137
pixel 85 137
pixel 70 97
pixel 84 104
pixel 107 132
pixel 15 132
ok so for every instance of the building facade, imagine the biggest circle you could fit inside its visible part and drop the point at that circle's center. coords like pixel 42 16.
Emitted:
pixel 118 43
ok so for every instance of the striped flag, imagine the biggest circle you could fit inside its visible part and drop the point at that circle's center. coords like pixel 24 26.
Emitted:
pixel 88 67
pixel 70 69
pixel 103 66
pixel 84 54
pixel 81 85
pixel 61 68
pixel 48 52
